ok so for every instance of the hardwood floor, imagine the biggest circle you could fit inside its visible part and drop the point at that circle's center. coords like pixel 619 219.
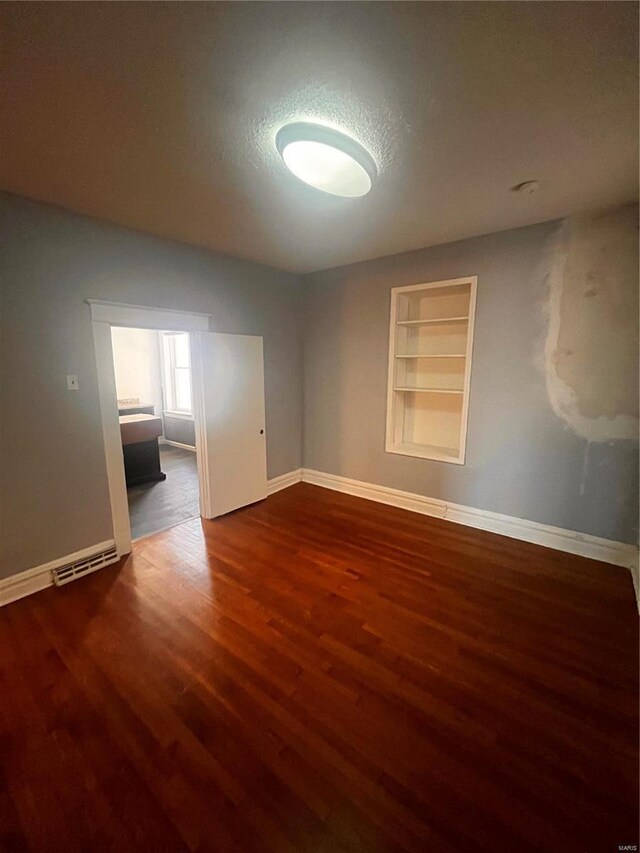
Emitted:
pixel 322 673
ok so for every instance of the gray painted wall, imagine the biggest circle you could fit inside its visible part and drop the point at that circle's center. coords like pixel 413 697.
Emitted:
pixel 523 459
pixel 54 498
pixel 181 430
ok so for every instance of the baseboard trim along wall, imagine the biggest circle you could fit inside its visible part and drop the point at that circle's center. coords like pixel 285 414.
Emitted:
pixel 40 577
pixel 284 481
pixel 177 444
pixel 582 544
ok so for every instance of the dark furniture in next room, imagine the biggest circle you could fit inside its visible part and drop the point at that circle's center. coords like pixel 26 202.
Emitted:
pixel 139 435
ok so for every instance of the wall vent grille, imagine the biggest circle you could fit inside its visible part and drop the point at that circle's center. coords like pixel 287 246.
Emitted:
pixel 79 568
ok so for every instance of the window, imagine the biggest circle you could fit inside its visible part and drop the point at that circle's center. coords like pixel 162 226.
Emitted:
pixel 430 344
pixel 176 372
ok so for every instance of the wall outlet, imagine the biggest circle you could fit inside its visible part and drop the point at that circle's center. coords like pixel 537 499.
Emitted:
pixel 72 383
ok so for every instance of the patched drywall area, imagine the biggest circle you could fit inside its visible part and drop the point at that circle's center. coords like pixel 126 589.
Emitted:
pixel 591 349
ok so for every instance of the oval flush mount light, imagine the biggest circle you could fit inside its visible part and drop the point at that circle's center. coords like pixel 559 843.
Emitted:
pixel 326 159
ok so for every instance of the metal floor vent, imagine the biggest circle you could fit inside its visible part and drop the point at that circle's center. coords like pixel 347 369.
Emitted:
pixel 70 572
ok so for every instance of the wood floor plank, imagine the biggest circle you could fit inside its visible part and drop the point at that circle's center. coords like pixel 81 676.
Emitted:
pixel 321 673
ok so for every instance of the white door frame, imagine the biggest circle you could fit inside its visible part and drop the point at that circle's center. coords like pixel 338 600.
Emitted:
pixel 104 315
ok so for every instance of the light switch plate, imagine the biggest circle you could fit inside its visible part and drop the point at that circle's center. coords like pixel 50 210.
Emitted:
pixel 72 383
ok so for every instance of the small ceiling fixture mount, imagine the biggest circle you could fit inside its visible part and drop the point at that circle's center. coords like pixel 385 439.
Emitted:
pixel 326 159
pixel 526 187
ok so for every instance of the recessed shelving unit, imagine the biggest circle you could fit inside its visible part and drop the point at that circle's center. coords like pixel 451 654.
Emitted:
pixel 430 347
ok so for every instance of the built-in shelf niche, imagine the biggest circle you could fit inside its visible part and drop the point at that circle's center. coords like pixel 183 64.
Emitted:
pixel 430 346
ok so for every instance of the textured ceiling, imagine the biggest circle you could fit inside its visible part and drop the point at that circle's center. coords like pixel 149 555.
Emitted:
pixel 161 117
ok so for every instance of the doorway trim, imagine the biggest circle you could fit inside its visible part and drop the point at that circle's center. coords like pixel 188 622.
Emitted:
pixel 104 315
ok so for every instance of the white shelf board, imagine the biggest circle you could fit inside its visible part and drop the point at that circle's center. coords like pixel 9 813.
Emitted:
pixel 427 451
pixel 434 320
pixel 443 355
pixel 429 390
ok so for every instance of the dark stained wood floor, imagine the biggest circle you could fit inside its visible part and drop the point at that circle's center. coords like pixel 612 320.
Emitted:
pixel 158 506
pixel 322 673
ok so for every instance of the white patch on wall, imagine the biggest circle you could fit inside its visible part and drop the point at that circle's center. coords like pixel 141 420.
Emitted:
pixel 591 348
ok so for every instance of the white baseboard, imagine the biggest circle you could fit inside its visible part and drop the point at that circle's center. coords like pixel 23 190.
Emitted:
pixel 381 494
pixel 582 544
pixel 284 481
pixel 571 541
pixel 40 577
pixel 176 444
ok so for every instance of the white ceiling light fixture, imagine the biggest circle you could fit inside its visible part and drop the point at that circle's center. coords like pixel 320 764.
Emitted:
pixel 326 159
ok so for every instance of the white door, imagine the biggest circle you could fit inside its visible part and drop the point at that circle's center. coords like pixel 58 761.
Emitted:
pixel 228 376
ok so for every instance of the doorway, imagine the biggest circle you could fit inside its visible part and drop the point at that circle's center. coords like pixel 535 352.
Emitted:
pixel 226 379
pixel 155 410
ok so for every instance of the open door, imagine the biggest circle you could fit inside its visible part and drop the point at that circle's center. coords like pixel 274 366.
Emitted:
pixel 228 379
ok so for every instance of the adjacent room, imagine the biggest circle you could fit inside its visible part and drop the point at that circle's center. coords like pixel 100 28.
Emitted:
pixel 155 410
pixel 319 427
